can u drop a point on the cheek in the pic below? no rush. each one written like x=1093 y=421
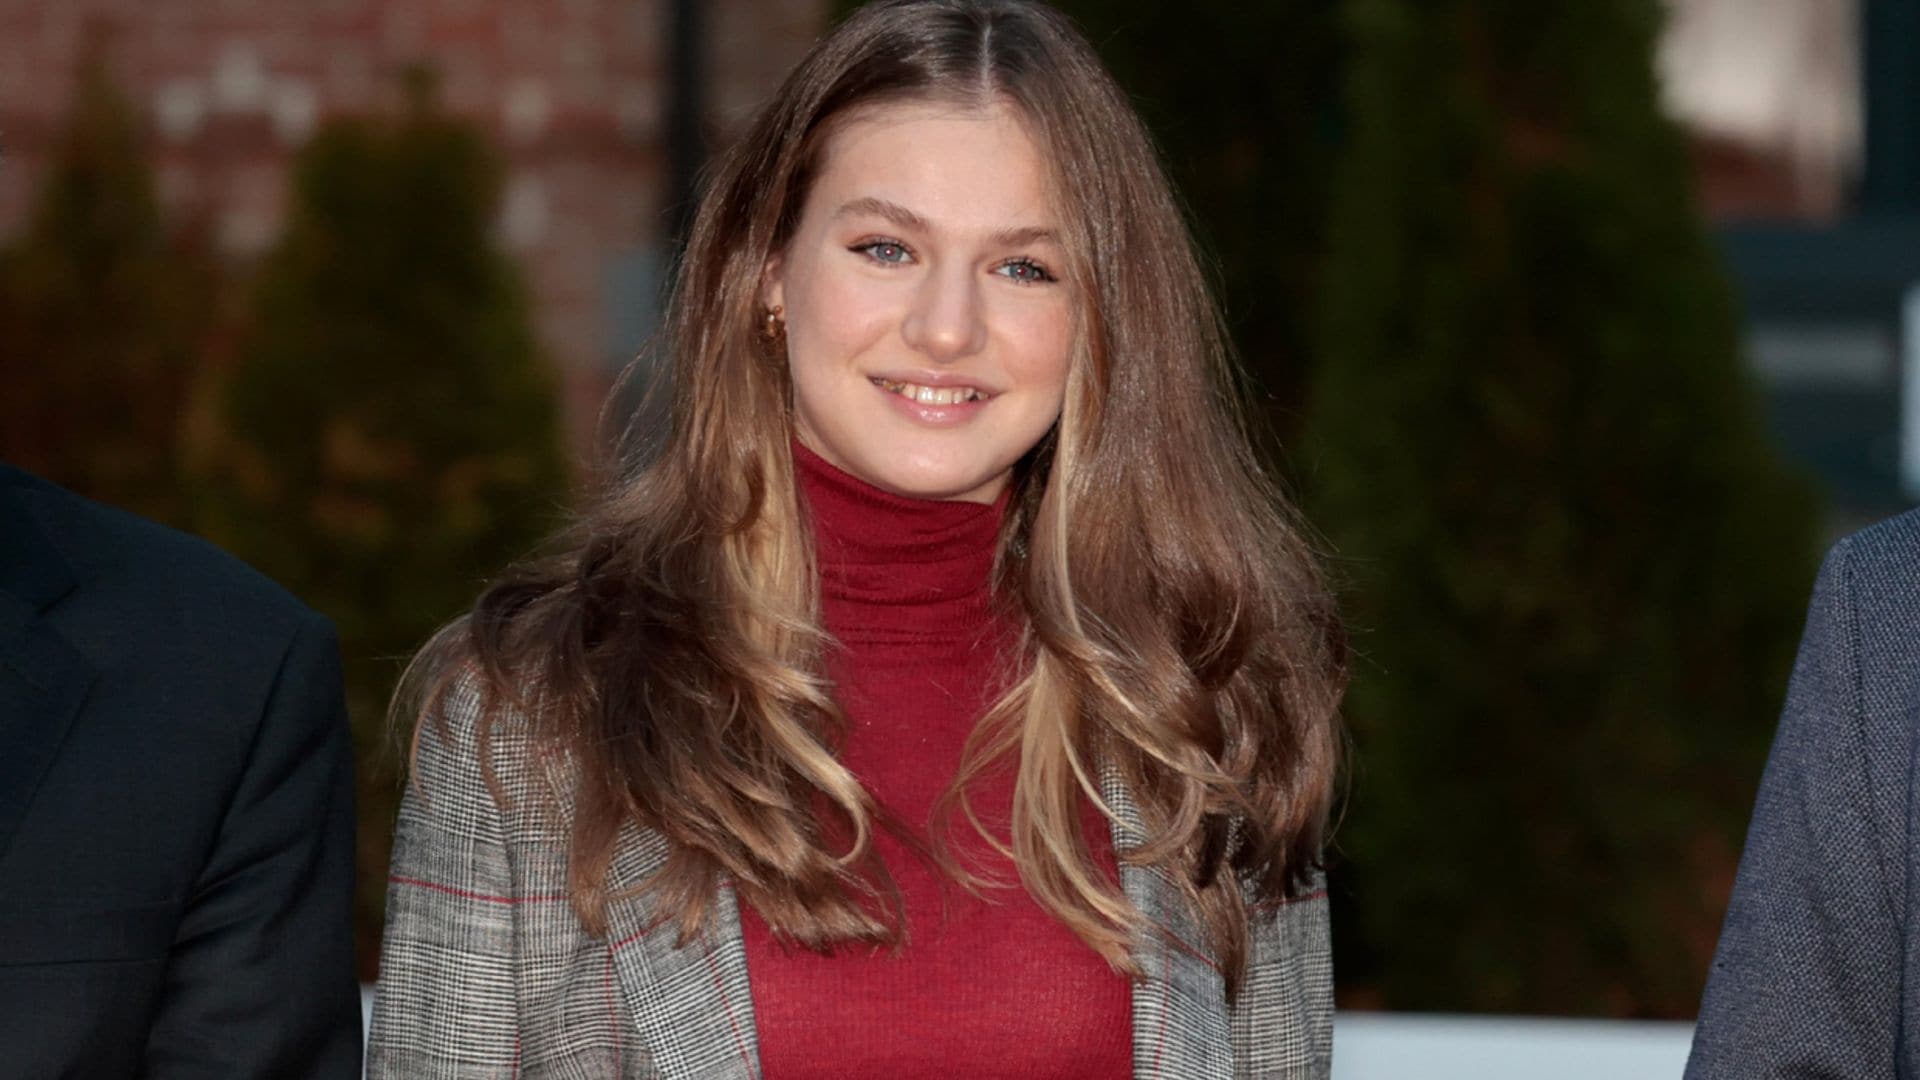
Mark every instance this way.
x=1042 y=342
x=833 y=319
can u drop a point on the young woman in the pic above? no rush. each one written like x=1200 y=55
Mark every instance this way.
x=949 y=695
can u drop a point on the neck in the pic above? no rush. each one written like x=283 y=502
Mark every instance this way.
x=894 y=568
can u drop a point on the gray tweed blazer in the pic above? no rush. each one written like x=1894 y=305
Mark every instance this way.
x=486 y=973
x=1818 y=968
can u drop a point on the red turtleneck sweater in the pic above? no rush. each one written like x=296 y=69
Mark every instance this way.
x=982 y=988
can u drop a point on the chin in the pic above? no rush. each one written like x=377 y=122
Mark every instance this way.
x=937 y=481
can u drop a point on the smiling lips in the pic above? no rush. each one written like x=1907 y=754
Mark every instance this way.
x=932 y=395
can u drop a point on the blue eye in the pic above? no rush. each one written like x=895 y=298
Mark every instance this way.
x=885 y=251
x=1024 y=271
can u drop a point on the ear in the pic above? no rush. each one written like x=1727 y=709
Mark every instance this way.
x=773 y=289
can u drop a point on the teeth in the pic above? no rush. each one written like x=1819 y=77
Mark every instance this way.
x=931 y=395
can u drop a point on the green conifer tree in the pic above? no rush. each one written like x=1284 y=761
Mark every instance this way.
x=394 y=430
x=1576 y=569
x=102 y=314
x=1242 y=101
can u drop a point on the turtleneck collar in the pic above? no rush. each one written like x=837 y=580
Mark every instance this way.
x=896 y=570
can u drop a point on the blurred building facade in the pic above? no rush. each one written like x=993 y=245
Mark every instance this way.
x=1770 y=92
x=579 y=97
x=1803 y=116
x=1804 y=122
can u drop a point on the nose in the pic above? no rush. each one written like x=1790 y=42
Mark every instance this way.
x=946 y=321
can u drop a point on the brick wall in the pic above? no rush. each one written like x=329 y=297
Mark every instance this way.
x=572 y=91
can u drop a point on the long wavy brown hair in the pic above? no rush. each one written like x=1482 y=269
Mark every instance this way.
x=1176 y=628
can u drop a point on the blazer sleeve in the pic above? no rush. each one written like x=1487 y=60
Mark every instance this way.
x=1282 y=1020
x=1806 y=979
x=260 y=979
x=445 y=1003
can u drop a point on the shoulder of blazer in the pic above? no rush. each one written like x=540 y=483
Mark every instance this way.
x=525 y=794
x=1882 y=562
x=1865 y=619
x=100 y=606
x=54 y=542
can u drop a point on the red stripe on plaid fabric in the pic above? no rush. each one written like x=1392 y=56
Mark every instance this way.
x=1177 y=942
x=465 y=895
x=1274 y=905
x=720 y=988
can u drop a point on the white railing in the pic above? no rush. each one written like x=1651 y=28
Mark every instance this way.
x=1418 y=1046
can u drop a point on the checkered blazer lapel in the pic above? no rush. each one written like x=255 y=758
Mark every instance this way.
x=1181 y=1029
x=691 y=1002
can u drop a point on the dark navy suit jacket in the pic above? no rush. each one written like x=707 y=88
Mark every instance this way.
x=1818 y=968
x=176 y=808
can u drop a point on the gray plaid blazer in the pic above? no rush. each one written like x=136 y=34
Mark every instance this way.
x=485 y=971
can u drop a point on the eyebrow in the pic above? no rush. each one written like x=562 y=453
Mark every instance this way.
x=904 y=218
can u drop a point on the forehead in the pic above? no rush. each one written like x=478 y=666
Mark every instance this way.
x=960 y=167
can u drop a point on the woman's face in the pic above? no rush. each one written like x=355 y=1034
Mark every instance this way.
x=928 y=325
